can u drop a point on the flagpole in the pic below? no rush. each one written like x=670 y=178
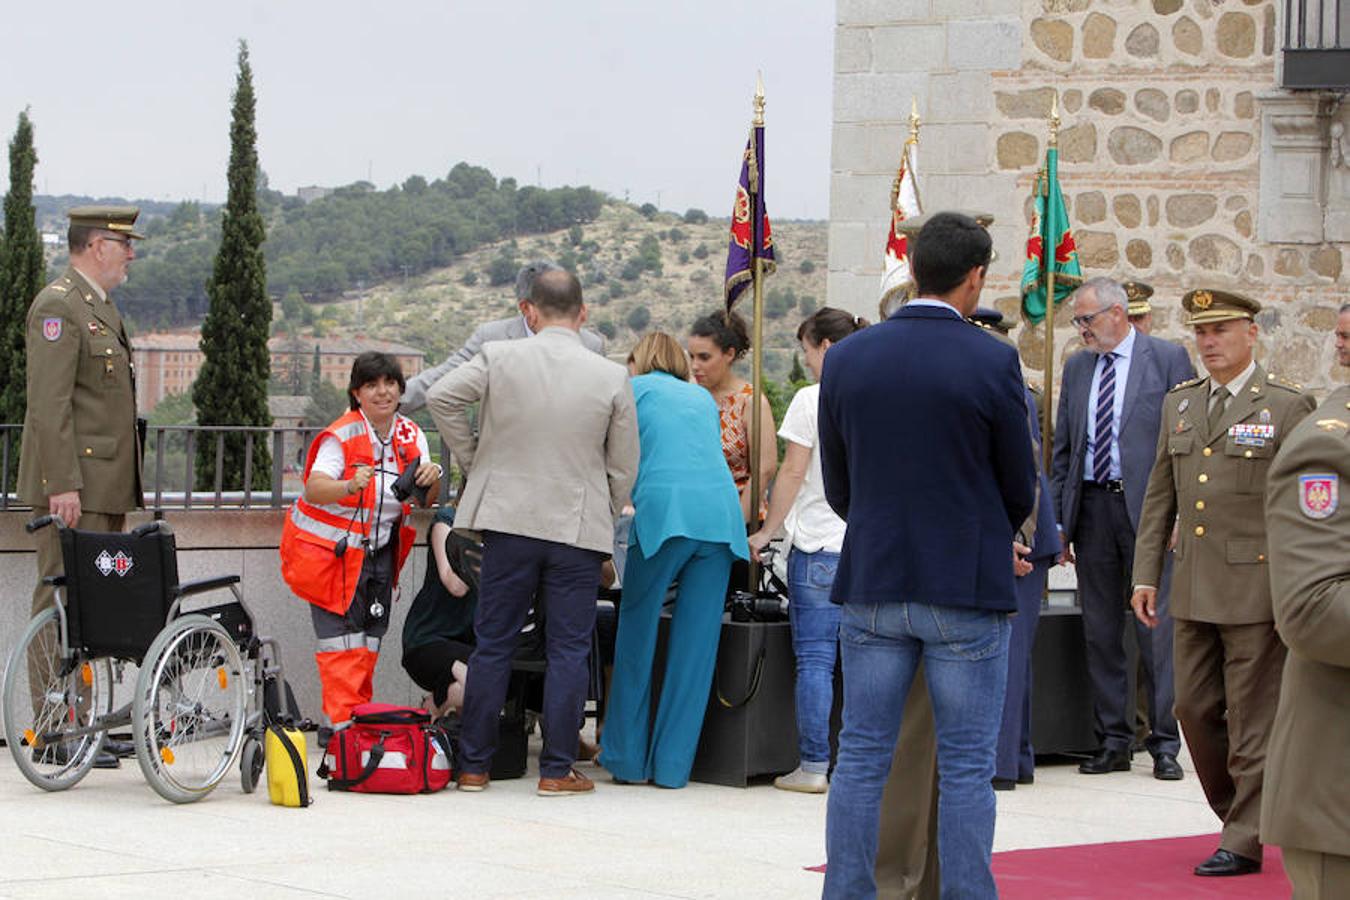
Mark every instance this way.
x=1049 y=250
x=757 y=340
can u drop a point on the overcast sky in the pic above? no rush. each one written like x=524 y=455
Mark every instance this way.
x=635 y=97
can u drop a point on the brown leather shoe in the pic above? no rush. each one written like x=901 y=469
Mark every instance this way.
x=472 y=781
x=573 y=783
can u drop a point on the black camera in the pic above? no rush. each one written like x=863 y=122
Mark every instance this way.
x=406 y=486
x=747 y=606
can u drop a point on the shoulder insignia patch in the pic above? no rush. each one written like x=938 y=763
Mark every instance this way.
x=1191 y=383
x=51 y=328
x=1318 y=495
x=58 y=288
x=1332 y=424
x=1285 y=383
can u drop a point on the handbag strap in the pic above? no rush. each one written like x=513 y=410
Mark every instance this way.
x=373 y=763
x=301 y=777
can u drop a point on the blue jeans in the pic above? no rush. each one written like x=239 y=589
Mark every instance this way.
x=964 y=652
x=815 y=640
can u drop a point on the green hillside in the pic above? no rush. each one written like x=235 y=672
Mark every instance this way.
x=638 y=274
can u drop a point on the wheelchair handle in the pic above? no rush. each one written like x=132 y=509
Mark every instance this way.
x=43 y=522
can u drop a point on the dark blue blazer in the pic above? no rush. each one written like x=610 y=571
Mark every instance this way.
x=927 y=455
x=1157 y=367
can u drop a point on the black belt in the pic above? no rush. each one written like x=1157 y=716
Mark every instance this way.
x=1115 y=486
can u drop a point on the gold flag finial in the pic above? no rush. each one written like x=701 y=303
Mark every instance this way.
x=913 y=119
x=759 y=99
x=1054 y=119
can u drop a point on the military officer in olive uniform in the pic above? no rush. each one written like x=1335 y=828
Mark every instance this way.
x=1218 y=437
x=1139 y=310
x=80 y=453
x=1305 y=807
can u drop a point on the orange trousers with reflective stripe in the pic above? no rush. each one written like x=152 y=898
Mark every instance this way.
x=347 y=677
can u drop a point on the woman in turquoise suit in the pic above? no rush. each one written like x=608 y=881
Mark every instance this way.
x=687 y=529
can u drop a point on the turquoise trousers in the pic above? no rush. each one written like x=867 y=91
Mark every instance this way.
x=635 y=747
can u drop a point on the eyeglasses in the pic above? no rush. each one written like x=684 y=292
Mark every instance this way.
x=116 y=239
x=1081 y=322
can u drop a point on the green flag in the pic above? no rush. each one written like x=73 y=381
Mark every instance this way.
x=1049 y=228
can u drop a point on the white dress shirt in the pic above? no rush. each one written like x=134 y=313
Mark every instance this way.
x=1123 y=351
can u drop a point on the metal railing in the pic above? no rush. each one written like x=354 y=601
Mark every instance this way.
x=1316 y=44
x=169 y=466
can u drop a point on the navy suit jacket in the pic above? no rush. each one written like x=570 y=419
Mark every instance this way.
x=926 y=454
x=1157 y=366
x=1046 y=543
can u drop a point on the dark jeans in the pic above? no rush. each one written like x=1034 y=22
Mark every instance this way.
x=1104 y=548
x=565 y=578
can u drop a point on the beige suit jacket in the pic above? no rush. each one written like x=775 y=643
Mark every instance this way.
x=557 y=449
x=1306 y=800
x=1213 y=485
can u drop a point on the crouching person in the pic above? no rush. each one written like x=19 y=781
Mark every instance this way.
x=346 y=537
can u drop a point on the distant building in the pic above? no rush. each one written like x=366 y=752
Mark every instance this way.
x=52 y=239
x=168 y=362
x=312 y=193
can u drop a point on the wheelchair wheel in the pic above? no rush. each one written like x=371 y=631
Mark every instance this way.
x=250 y=764
x=67 y=696
x=189 y=714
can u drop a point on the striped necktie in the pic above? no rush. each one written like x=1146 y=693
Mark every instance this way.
x=1106 y=408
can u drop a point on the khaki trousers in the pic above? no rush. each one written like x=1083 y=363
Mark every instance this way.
x=907 y=852
x=49 y=563
x=1228 y=685
x=1317 y=876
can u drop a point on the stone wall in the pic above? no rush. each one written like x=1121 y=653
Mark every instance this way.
x=1161 y=152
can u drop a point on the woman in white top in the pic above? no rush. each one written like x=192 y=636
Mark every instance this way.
x=816 y=534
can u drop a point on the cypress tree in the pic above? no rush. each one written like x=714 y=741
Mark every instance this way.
x=231 y=388
x=22 y=271
x=315 y=373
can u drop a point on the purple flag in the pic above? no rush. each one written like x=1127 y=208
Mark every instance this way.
x=750 y=233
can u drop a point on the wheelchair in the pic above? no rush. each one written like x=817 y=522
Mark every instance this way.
x=204 y=680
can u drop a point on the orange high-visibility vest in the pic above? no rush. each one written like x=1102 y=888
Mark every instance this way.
x=309 y=564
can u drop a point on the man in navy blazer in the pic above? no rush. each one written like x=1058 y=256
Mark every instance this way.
x=1106 y=438
x=926 y=454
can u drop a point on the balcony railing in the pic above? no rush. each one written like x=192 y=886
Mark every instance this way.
x=169 y=466
x=1317 y=44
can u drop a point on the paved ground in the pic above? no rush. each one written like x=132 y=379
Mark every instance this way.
x=112 y=836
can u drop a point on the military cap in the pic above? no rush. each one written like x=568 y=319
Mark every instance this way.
x=119 y=219
x=914 y=224
x=986 y=317
x=1137 y=293
x=1208 y=305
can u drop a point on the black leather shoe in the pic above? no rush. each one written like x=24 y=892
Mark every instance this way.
x=1004 y=784
x=1026 y=779
x=1106 y=761
x=1225 y=862
x=1166 y=768
x=106 y=760
x=59 y=755
x=119 y=749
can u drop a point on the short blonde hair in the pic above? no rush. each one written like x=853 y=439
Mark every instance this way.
x=658 y=351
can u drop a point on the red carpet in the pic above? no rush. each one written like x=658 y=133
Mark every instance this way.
x=1128 y=869
x=1157 y=868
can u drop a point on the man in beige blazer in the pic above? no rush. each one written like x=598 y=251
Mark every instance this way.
x=1305 y=807
x=552 y=465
